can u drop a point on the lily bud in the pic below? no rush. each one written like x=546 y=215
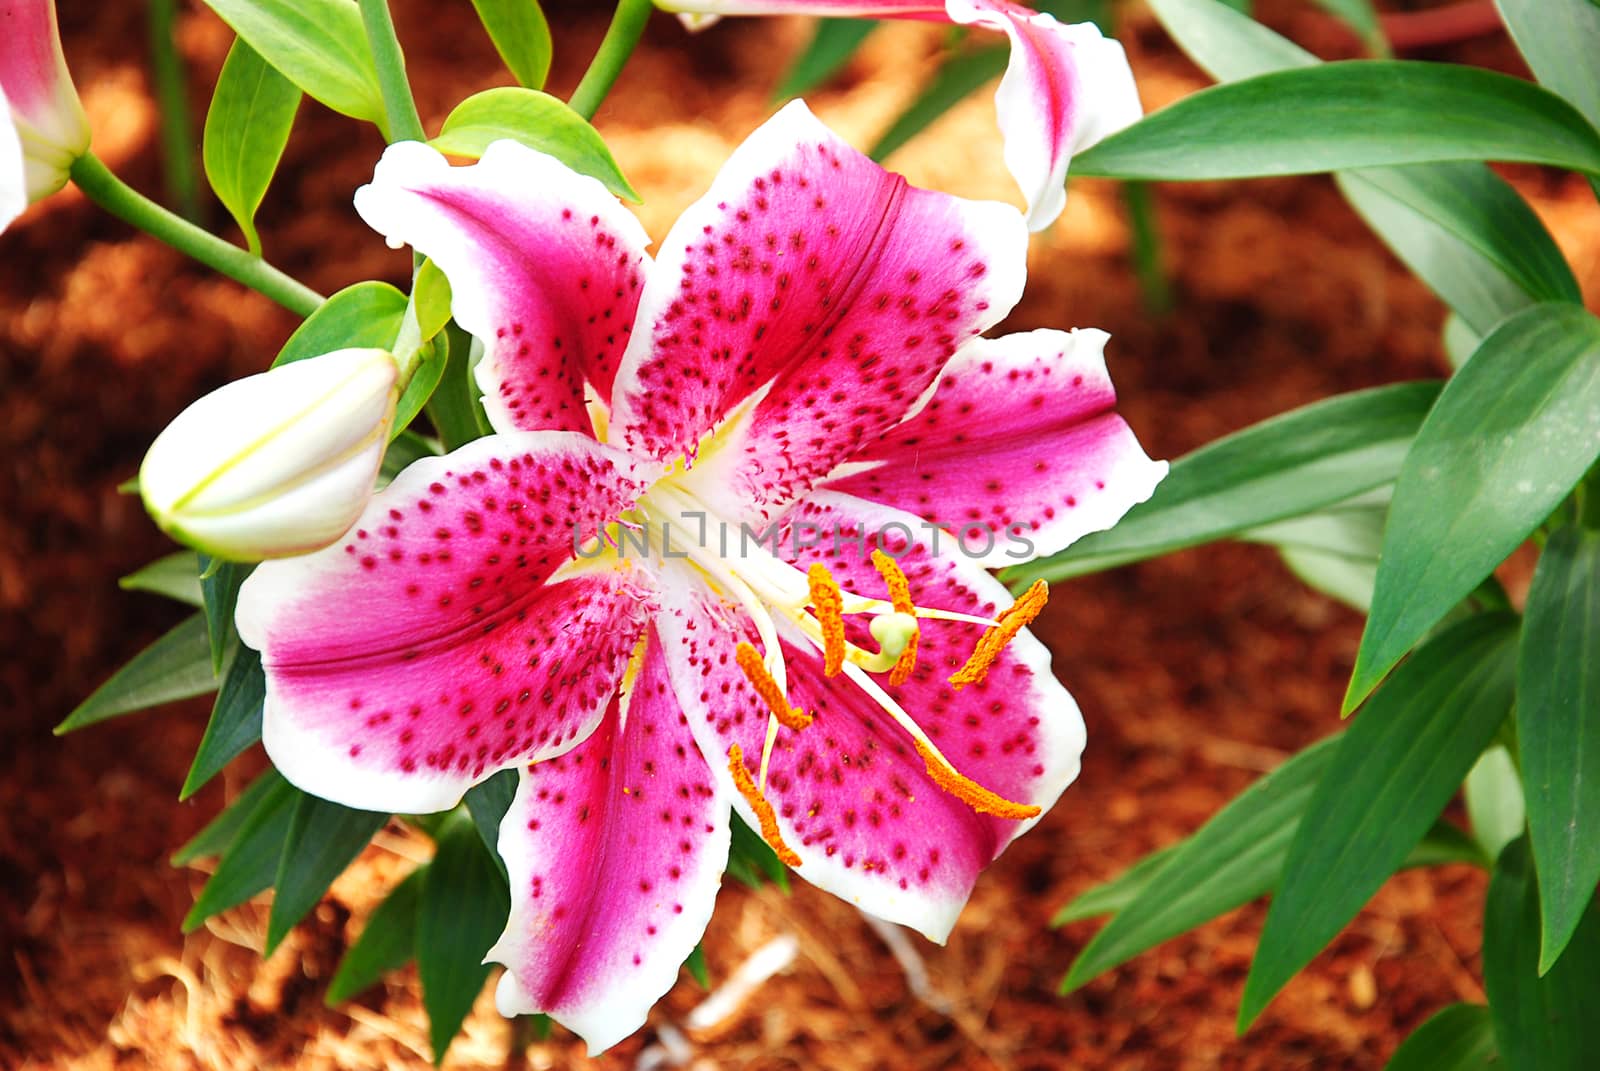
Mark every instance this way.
x=275 y=464
x=42 y=125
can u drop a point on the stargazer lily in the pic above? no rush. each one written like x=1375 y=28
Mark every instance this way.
x=42 y=125
x=1065 y=88
x=711 y=556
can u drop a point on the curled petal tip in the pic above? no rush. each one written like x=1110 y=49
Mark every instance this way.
x=39 y=105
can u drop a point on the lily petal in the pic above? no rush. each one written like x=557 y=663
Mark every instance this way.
x=1065 y=88
x=852 y=797
x=13 y=173
x=820 y=288
x=615 y=852
x=431 y=645
x=1019 y=452
x=37 y=91
x=545 y=266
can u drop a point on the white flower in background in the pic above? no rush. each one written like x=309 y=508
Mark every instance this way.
x=42 y=125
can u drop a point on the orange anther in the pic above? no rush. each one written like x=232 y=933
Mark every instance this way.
x=828 y=603
x=969 y=791
x=900 y=595
x=755 y=670
x=1013 y=621
x=767 y=818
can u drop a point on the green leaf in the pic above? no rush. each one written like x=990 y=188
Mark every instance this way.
x=323 y=839
x=1540 y=1022
x=1512 y=432
x=250 y=861
x=387 y=942
x=521 y=36
x=252 y=112
x=1559 y=39
x=425 y=380
x=488 y=803
x=455 y=408
x=430 y=294
x=1459 y=340
x=1232 y=859
x=1336 y=116
x=696 y=966
x=366 y=315
x=176 y=576
x=463 y=910
x=751 y=860
x=1284 y=467
x=1112 y=896
x=219 y=593
x=957 y=77
x=404 y=449
x=1360 y=17
x=1493 y=793
x=319 y=45
x=832 y=45
x=1457 y=1038
x=1394 y=770
x=1467 y=234
x=1446 y=844
x=177 y=666
x=1558 y=730
x=1334 y=550
x=538 y=121
x=235 y=720
x=220 y=831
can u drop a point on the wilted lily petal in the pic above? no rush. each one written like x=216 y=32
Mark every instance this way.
x=1065 y=88
x=593 y=607
x=42 y=125
x=277 y=463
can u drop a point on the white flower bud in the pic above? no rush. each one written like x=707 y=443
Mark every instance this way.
x=275 y=464
x=42 y=125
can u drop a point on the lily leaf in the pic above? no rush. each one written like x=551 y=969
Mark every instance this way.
x=1559 y=39
x=1336 y=116
x=319 y=45
x=220 y=831
x=177 y=666
x=488 y=803
x=235 y=720
x=463 y=910
x=176 y=576
x=1395 y=769
x=387 y=942
x=323 y=839
x=247 y=128
x=1558 y=731
x=1511 y=434
x=366 y=315
x=1457 y=1038
x=521 y=35
x=538 y=121
x=250 y=860
x=832 y=45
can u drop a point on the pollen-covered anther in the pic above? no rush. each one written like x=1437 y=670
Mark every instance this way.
x=827 y=601
x=900 y=595
x=755 y=670
x=1018 y=617
x=968 y=791
x=765 y=815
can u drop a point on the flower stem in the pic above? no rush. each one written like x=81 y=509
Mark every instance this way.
x=627 y=26
x=404 y=122
x=115 y=196
x=177 y=129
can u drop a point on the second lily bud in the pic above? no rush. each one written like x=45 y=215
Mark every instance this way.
x=42 y=126
x=275 y=464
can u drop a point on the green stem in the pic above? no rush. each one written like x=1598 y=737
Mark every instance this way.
x=627 y=26
x=177 y=129
x=115 y=196
x=404 y=122
x=1148 y=263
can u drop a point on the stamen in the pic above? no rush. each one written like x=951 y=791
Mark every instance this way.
x=758 y=803
x=991 y=643
x=900 y=595
x=969 y=791
x=828 y=602
x=755 y=670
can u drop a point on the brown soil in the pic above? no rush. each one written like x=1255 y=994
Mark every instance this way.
x=1195 y=673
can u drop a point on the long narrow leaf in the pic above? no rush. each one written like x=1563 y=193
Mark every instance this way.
x=323 y=839
x=177 y=666
x=235 y=720
x=250 y=860
x=387 y=943
x=247 y=128
x=463 y=909
x=1395 y=769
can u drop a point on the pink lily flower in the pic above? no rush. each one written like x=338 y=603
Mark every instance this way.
x=654 y=591
x=42 y=125
x=1065 y=88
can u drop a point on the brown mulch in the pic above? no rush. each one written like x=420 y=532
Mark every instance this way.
x=1195 y=673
